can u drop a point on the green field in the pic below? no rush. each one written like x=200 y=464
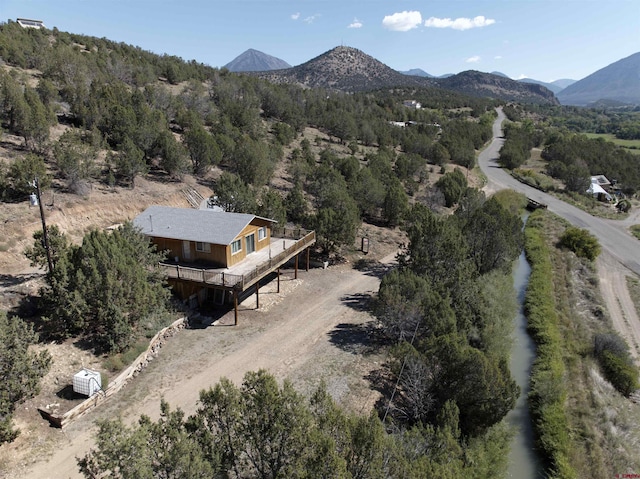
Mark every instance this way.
x=632 y=145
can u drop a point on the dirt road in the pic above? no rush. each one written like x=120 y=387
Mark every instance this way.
x=307 y=333
x=613 y=285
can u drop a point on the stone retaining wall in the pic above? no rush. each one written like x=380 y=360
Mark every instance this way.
x=120 y=381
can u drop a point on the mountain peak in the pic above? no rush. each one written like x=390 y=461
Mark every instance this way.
x=255 y=61
x=344 y=68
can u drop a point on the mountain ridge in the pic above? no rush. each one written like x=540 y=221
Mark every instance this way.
x=617 y=82
x=349 y=69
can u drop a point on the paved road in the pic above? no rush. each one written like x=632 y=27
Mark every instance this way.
x=619 y=243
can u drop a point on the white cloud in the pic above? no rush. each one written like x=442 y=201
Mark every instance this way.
x=521 y=76
x=310 y=19
x=459 y=23
x=295 y=16
x=402 y=21
x=498 y=57
x=473 y=59
x=355 y=24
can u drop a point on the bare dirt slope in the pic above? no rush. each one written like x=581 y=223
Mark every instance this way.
x=309 y=332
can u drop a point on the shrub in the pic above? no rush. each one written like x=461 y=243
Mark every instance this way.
x=612 y=353
x=581 y=242
x=620 y=373
x=624 y=206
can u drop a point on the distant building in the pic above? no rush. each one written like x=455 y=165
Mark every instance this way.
x=597 y=188
x=601 y=180
x=412 y=104
x=27 y=23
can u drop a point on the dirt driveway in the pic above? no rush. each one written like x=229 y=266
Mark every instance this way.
x=315 y=329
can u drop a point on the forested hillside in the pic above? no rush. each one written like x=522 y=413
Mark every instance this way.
x=158 y=113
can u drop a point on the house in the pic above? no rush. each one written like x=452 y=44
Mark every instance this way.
x=601 y=180
x=597 y=188
x=214 y=255
x=28 y=23
x=206 y=237
x=412 y=104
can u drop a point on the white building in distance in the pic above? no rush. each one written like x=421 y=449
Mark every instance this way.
x=28 y=23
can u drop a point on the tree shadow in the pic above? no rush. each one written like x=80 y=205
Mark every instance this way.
x=372 y=267
x=12 y=280
x=158 y=175
x=382 y=381
x=358 y=301
x=357 y=338
x=86 y=344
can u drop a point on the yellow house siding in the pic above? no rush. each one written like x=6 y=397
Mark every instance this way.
x=251 y=228
x=172 y=247
x=218 y=255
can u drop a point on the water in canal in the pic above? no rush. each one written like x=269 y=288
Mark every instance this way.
x=523 y=460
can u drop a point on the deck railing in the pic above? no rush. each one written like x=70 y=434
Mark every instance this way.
x=201 y=275
x=212 y=277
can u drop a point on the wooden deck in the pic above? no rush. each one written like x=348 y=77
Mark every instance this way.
x=287 y=244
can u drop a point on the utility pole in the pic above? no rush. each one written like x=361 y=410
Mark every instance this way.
x=45 y=234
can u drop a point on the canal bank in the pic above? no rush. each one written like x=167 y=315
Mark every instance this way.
x=523 y=459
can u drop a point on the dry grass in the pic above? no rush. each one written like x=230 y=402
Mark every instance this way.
x=604 y=425
x=634 y=290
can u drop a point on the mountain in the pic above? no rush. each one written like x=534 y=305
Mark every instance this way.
x=255 y=61
x=349 y=69
x=563 y=82
x=619 y=82
x=500 y=74
x=417 y=72
x=481 y=84
x=554 y=88
x=346 y=69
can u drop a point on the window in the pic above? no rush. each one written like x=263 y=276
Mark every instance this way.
x=236 y=246
x=262 y=233
x=203 y=247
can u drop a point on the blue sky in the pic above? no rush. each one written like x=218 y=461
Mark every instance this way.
x=542 y=39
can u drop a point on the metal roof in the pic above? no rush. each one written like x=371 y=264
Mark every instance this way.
x=206 y=226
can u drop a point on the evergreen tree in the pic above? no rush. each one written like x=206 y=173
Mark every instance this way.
x=103 y=289
x=129 y=161
x=20 y=370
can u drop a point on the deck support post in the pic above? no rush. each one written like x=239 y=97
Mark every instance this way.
x=307 y=260
x=257 y=295
x=235 y=307
x=295 y=274
x=278 y=280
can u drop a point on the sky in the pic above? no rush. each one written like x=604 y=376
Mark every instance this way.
x=545 y=40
